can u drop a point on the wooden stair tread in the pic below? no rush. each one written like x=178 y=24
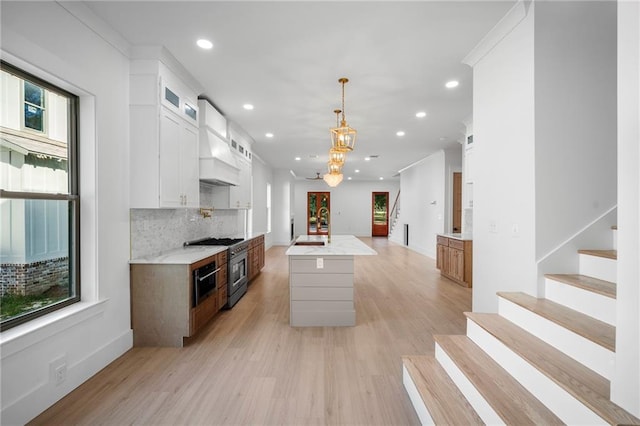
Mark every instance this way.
x=588 y=327
x=508 y=398
x=595 y=285
x=446 y=404
x=584 y=384
x=608 y=254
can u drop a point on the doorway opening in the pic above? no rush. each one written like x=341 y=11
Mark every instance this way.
x=315 y=201
x=457 y=203
x=379 y=214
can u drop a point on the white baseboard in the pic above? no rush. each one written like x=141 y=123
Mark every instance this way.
x=46 y=394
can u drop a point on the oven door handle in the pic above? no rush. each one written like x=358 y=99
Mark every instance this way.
x=209 y=274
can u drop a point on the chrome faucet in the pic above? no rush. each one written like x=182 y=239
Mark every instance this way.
x=326 y=209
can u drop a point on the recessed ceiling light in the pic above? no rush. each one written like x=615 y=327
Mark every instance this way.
x=400 y=133
x=247 y=107
x=298 y=158
x=269 y=135
x=381 y=178
x=349 y=178
x=357 y=170
x=204 y=43
x=421 y=114
x=451 y=84
x=367 y=158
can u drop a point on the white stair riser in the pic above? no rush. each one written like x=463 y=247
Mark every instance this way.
x=593 y=304
x=598 y=267
x=559 y=401
x=416 y=399
x=477 y=401
x=591 y=355
x=615 y=239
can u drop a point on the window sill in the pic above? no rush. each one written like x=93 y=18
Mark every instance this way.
x=22 y=336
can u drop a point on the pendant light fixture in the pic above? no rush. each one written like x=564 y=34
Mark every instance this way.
x=343 y=137
x=337 y=156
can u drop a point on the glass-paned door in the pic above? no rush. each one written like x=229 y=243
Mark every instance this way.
x=380 y=214
x=317 y=221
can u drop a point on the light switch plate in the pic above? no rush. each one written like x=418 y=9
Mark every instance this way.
x=319 y=263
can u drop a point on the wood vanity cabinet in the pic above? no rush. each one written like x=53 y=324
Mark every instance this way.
x=162 y=311
x=256 y=256
x=454 y=259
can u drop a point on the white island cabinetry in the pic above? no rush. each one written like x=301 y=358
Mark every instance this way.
x=321 y=280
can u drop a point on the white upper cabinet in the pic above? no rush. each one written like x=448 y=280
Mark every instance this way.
x=164 y=138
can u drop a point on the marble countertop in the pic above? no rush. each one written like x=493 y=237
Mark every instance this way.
x=462 y=237
x=340 y=245
x=181 y=255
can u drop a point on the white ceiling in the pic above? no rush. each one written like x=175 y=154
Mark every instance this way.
x=286 y=57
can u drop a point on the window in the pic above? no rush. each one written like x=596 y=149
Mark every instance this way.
x=39 y=198
x=33 y=106
x=268 y=207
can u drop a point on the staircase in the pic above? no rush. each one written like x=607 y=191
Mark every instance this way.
x=394 y=216
x=538 y=361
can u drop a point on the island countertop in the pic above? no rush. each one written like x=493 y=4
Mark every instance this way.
x=341 y=245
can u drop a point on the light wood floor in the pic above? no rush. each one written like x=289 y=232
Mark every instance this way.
x=249 y=367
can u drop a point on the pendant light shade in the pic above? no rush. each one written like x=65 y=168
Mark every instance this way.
x=343 y=137
x=332 y=179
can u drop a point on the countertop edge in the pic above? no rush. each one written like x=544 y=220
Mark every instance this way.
x=457 y=237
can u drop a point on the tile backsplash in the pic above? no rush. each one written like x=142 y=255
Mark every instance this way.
x=157 y=230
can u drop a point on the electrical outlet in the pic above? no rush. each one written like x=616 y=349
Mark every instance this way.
x=319 y=263
x=61 y=374
x=58 y=370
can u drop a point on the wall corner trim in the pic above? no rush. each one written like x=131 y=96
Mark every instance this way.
x=508 y=22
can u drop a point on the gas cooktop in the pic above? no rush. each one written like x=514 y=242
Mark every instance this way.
x=214 y=242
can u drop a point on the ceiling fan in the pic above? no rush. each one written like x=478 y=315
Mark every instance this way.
x=318 y=177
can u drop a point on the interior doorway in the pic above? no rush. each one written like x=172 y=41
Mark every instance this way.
x=379 y=214
x=457 y=202
x=315 y=201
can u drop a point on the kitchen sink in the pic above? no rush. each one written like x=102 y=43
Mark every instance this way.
x=309 y=243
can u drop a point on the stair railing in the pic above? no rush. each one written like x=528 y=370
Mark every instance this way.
x=395 y=208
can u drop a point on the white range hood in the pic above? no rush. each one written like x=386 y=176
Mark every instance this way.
x=218 y=165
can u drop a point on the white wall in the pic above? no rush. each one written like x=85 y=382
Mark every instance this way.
x=503 y=188
x=282 y=202
x=625 y=385
x=262 y=174
x=350 y=204
x=91 y=334
x=423 y=202
x=575 y=117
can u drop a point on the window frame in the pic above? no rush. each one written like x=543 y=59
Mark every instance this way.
x=23 y=121
x=73 y=195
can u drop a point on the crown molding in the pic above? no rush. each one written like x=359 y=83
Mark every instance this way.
x=508 y=22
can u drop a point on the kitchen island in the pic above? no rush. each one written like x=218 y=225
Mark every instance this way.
x=321 y=276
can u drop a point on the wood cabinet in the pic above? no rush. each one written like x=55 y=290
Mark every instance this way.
x=162 y=311
x=454 y=259
x=164 y=138
x=256 y=256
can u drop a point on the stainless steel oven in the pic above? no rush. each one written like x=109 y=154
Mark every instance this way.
x=238 y=272
x=204 y=282
x=237 y=265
